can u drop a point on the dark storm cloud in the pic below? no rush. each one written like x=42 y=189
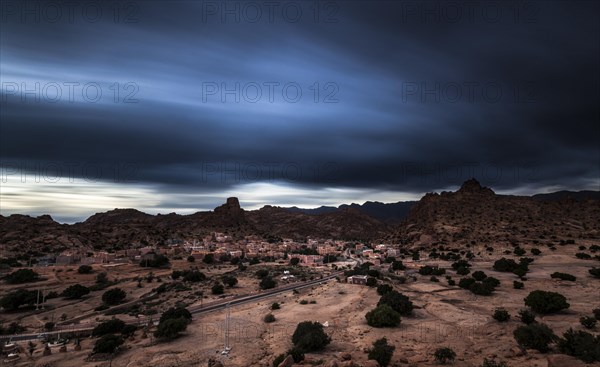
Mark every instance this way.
x=420 y=98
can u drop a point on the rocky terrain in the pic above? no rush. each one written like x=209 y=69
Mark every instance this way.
x=471 y=214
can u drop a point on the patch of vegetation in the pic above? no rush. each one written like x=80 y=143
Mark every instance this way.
x=443 y=355
x=275 y=306
x=493 y=363
x=111 y=326
x=398 y=302
x=581 y=345
x=383 y=316
x=563 y=276
x=479 y=275
x=269 y=318
x=382 y=352
x=156 y=261
x=75 y=291
x=501 y=315
x=546 y=302
x=595 y=272
x=267 y=283
x=588 y=322
x=310 y=337
x=527 y=317
x=21 y=276
x=217 y=288
x=108 y=343
x=15 y=299
x=85 y=269
x=534 y=336
x=518 y=285
x=114 y=296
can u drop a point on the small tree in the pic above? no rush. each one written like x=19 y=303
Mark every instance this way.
x=209 y=259
x=479 y=275
x=493 y=363
x=112 y=326
x=443 y=355
x=230 y=280
x=114 y=296
x=518 y=285
x=501 y=315
x=563 y=276
x=85 y=269
x=108 y=343
x=275 y=306
x=527 y=317
x=596 y=312
x=371 y=282
x=546 y=302
x=595 y=272
x=75 y=291
x=398 y=302
x=294 y=261
x=382 y=352
x=191 y=259
x=269 y=318
x=176 y=313
x=21 y=276
x=310 y=337
x=383 y=316
x=580 y=344
x=588 y=322
x=267 y=283
x=534 y=336
x=49 y=326
x=277 y=361
x=217 y=288
x=170 y=328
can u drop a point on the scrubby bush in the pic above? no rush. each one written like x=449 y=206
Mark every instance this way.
x=463 y=271
x=75 y=291
x=372 y=282
x=588 y=322
x=580 y=344
x=501 y=315
x=275 y=306
x=176 y=313
x=21 y=276
x=269 y=318
x=563 y=276
x=596 y=312
x=382 y=352
x=108 y=343
x=535 y=251
x=114 y=296
x=398 y=302
x=443 y=355
x=546 y=302
x=383 y=316
x=310 y=337
x=466 y=283
x=527 y=317
x=518 y=285
x=479 y=275
x=85 y=269
x=384 y=288
x=217 y=288
x=595 y=272
x=505 y=265
x=491 y=282
x=267 y=283
x=108 y=327
x=277 y=361
x=493 y=363
x=261 y=273
x=534 y=336
x=583 y=255
x=170 y=328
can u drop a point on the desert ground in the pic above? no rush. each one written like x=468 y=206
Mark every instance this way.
x=444 y=316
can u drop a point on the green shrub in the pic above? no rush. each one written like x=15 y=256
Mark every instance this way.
x=384 y=288
x=596 y=312
x=493 y=363
x=479 y=275
x=113 y=296
x=588 y=322
x=108 y=327
x=217 y=288
x=108 y=343
x=534 y=336
x=383 y=316
x=518 y=285
x=277 y=361
x=267 y=283
x=21 y=276
x=595 y=272
x=580 y=344
x=527 y=317
x=535 y=251
x=382 y=352
x=443 y=355
x=563 y=276
x=275 y=306
x=466 y=283
x=546 y=302
x=501 y=315
x=170 y=328
x=398 y=302
x=85 y=269
x=310 y=337
x=269 y=318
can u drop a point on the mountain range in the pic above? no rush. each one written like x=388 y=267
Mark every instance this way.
x=472 y=213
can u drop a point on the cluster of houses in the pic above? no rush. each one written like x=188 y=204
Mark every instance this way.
x=220 y=246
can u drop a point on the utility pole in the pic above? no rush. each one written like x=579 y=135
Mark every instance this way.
x=227 y=348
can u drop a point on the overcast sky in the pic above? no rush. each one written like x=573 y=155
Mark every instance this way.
x=174 y=106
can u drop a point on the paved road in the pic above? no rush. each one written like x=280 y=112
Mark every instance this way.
x=195 y=310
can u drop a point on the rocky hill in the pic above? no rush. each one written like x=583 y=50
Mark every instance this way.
x=475 y=214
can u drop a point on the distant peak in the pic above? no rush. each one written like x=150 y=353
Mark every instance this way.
x=473 y=186
x=233 y=202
